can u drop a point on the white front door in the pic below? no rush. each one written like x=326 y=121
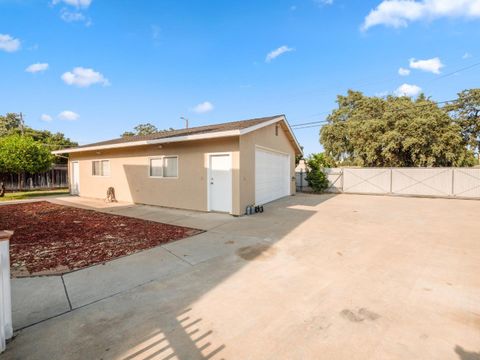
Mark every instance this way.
x=75 y=181
x=220 y=183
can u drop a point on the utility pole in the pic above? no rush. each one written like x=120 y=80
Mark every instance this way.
x=22 y=124
x=186 y=121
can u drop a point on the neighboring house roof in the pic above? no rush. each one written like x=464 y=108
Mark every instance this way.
x=234 y=128
x=302 y=166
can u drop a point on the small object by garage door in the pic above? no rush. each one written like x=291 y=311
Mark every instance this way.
x=250 y=210
x=111 y=195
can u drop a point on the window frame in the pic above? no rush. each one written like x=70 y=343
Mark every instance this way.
x=101 y=168
x=162 y=157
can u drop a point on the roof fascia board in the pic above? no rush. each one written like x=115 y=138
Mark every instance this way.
x=151 y=142
x=214 y=135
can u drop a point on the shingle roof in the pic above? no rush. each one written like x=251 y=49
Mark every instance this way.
x=235 y=125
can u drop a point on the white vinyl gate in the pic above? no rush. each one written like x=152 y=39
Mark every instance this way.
x=6 y=329
x=436 y=182
x=272 y=175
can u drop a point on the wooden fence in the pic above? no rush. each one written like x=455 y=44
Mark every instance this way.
x=55 y=178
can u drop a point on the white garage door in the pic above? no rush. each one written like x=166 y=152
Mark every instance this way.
x=272 y=176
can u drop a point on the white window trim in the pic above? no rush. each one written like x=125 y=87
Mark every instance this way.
x=149 y=167
x=109 y=168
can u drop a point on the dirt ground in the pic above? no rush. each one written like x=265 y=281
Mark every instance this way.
x=52 y=239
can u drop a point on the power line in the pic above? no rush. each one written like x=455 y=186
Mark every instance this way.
x=311 y=124
x=366 y=82
x=456 y=72
x=308 y=123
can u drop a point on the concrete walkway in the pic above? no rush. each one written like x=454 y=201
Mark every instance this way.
x=36 y=299
x=334 y=277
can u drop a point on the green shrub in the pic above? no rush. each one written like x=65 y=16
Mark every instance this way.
x=317 y=180
x=316 y=177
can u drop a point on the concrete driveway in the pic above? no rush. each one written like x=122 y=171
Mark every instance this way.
x=314 y=277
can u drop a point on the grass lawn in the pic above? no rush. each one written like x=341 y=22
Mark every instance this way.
x=21 y=195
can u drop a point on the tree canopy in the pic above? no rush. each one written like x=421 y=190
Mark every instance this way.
x=466 y=112
x=141 y=129
x=11 y=124
x=393 y=131
x=21 y=154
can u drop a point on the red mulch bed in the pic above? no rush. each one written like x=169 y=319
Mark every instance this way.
x=53 y=239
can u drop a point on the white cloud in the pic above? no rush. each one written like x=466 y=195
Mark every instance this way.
x=76 y=3
x=467 y=55
x=69 y=16
x=399 y=13
x=430 y=65
x=277 y=52
x=68 y=115
x=403 y=72
x=8 y=43
x=408 y=90
x=46 y=117
x=323 y=2
x=76 y=15
x=203 y=107
x=38 y=67
x=83 y=77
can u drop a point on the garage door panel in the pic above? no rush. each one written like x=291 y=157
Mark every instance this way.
x=272 y=176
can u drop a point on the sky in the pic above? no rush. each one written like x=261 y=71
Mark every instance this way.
x=93 y=69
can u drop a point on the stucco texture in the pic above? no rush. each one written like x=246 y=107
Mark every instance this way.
x=129 y=170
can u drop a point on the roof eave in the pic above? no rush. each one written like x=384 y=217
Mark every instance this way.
x=150 y=142
x=206 y=136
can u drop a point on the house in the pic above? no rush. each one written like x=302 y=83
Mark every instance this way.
x=302 y=166
x=223 y=167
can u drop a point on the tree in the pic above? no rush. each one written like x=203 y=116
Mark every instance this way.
x=53 y=141
x=316 y=177
x=141 y=129
x=22 y=154
x=466 y=112
x=10 y=123
x=322 y=159
x=395 y=131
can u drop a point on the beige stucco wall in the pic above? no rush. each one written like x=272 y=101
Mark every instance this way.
x=129 y=171
x=129 y=174
x=264 y=137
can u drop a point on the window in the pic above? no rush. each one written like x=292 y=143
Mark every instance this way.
x=165 y=166
x=101 y=168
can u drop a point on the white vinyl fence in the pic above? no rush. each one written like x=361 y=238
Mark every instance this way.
x=6 y=329
x=334 y=176
x=436 y=182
